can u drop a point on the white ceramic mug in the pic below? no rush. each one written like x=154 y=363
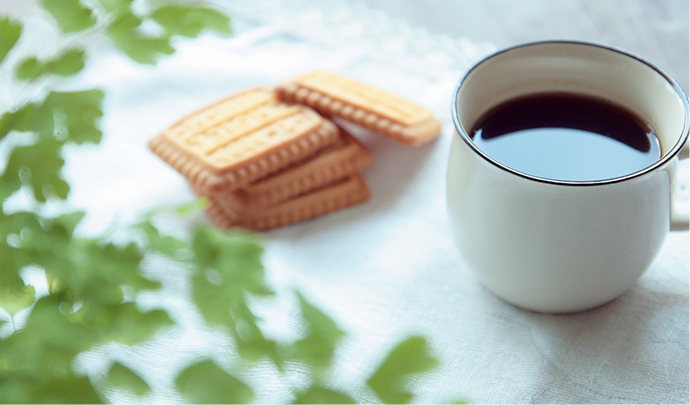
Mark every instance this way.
x=563 y=246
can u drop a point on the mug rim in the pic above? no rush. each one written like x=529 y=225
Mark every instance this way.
x=663 y=160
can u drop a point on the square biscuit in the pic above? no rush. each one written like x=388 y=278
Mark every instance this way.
x=339 y=160
x=380 y=112
x=344 y=193
x=240 y=139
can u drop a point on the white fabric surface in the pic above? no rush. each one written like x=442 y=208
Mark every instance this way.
x=384 y=269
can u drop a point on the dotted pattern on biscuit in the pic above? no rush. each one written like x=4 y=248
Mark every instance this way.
x=289 y=130
x=328 y=166
x=222 y=111
x=213 y=138
x=257 y=166
x=352 y=92
x=417 y=134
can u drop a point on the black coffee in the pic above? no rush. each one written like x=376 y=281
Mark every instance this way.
x=567 y=137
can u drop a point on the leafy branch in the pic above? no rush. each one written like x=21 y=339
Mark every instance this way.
x=93 y=283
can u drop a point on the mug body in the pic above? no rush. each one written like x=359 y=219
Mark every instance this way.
x=562 y=246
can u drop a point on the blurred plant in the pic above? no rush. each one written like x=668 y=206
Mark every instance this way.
x=93 y=282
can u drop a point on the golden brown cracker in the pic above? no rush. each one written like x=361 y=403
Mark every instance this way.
x=241 y=139
x=347 y=192
x=382 y=113
x=344 y=158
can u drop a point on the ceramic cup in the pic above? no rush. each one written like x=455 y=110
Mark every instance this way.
x=563 y=246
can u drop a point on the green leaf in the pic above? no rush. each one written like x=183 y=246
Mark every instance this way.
x=92 y=271
x=123 y=31
x=190 y=21
x=48 y=390
x=67 y=64
x=125 y=324
x=228 y=267
x=14 y=302
x=9 y=269
x=236 y=256
x=29 y=69
x=193 y=207
x=252 y=345
x=70 y=15
x=206 y=383
x=9 y=34
x=166 y=245
x=73 y=116
x=323 y=335
x=118 y=264
x=12 y=258
x=408 y=358
x=21 y=120
x=78 y=112
x=71 y=390
x=117 y=7
x=42 y=164
x=122 y=377
x=10 y=180
x=320 y=395
x=69 y=221
x=50 y=340
x=43 y=241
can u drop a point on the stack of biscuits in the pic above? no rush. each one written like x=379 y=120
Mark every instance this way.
x=267 y=158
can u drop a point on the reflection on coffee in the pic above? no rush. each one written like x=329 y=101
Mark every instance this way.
x=567 y=137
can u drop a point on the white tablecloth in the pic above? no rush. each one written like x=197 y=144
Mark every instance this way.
x=387 y=268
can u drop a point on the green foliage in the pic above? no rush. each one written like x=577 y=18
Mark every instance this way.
x=141 y=48
x=69 y=389
x=37 y=166
x=19 y=120
x=318 y=347
x=67 y=64
x=75 y=113
x=93 y=283
x=220 y=265
x=9 y=34
x=70 y=15
x=125 y=324
x=122 y=377
x=206 y=383
x=228 y=267
x=14 y=302
x=190 y=21
x=61 y=117
x=167 y=245
x=195 y=206
x=320 y=395
x=46 y=346
x=409 y=357
x=9 y=276
x=116 y=7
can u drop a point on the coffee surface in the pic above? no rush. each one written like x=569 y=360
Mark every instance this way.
x=567 y=137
